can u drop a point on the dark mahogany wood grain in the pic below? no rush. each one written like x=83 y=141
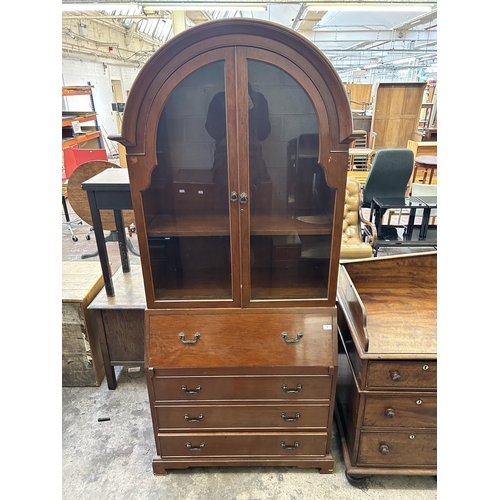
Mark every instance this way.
x=241 y=340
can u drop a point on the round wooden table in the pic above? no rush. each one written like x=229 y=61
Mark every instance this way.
x=427 y=163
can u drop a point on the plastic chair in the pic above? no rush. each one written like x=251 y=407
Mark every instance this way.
x=388 y=177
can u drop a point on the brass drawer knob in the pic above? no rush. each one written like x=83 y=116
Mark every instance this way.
x=395 y=376
x=384 y=449
x=390 y=413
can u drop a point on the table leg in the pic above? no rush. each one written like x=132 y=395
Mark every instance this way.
x=375 y=209
x=108 y=368
x=101 y=244
x=411 y=222
x=425 y=224
x=122 y=240
x=431 y=175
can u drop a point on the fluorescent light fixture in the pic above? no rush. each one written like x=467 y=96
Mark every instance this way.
x=402 y=61
x=365 y=6
x=204 y=6
x=80 y=7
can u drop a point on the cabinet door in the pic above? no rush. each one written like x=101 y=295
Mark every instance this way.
x=187 y=213
x=290 y=205
x=238 y=209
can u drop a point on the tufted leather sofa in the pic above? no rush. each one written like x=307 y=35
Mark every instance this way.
x=353 y=246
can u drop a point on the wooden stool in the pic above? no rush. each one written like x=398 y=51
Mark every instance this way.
x=427 y=163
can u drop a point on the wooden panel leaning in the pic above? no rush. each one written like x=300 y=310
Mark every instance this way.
x=82 y=363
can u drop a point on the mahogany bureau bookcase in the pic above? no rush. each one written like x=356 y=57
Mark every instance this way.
x=387 y=384
x=240 y=327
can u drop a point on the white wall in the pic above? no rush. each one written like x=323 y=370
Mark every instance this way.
x=80 y=72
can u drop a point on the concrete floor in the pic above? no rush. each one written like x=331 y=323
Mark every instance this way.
x=112 y=459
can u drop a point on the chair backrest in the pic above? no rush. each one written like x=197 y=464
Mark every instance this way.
x=389 y=175
x=352 y=246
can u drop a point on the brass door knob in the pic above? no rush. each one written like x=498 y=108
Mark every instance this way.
x=390 y=413
x=384 y=449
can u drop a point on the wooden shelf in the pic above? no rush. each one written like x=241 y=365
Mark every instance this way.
x=218 y=225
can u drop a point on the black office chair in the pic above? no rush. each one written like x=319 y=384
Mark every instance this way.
x=389 y=176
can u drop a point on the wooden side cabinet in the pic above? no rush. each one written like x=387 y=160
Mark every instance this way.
x=240 y=323
x=82 y=362
x=120 y=322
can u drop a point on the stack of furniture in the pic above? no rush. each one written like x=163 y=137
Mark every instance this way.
x=82 y=363
x=240 y=324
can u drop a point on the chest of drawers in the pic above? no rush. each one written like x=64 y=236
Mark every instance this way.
x=242 y=388
x=387 y=386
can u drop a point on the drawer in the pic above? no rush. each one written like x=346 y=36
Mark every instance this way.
x=242 y=444
x=411 y=410
x=402 y=374
x=283 y=387
x=402 y=448
x=195 y=417
x=234 y=339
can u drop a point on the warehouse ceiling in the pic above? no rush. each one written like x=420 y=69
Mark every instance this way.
x=365 y=41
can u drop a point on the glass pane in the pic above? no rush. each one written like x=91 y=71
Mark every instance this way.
x=291 y=204
x=187 y=219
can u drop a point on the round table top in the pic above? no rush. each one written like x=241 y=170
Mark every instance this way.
x=78 y=198
x=427 y=160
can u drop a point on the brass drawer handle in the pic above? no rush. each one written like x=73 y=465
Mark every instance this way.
x=290 y=419
x=196 y=337
x=395 y=376
x=200 y=416
x=196 y=391
x=384 y=449
x=285 y=447
x=193 y=448
x=292 y=341
x=291 y=391
x=390 y=413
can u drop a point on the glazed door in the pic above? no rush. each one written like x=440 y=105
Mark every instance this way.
x=238 y=211
x=286 y=215
x=192 y=238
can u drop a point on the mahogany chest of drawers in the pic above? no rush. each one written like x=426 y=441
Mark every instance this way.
x=387 y=386
x=242 y=388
